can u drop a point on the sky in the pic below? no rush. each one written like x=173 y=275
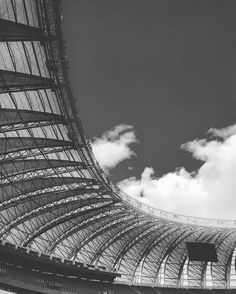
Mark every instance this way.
x=154 y=82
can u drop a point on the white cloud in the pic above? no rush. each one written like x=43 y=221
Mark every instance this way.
x=225 y=132
x=207 y=192
x=114 y=146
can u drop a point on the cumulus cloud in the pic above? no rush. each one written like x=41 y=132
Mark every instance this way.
x=114 y=146
x=208 y=192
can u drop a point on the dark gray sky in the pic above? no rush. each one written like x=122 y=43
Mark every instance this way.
x=167 y=67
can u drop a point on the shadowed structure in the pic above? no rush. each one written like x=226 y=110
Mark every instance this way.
x=204 y=252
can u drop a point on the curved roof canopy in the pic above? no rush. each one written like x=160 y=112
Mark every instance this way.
x=55 y=198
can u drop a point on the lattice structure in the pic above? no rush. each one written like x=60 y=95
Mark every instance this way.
x=54 y=197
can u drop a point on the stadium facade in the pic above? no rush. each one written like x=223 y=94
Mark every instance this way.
x=61 y=217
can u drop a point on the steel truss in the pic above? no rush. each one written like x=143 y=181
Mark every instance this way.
x=55 y=198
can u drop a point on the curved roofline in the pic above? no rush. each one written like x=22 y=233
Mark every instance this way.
x=92 y=221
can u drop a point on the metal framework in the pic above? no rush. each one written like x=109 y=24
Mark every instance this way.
x=55 y=198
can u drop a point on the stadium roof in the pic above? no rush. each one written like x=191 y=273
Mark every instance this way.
x=54 y=196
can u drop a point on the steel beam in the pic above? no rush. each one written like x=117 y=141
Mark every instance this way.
x=104 y=214
x=11 y=31
x=9 y=117
x=61 y=207
x=44 y=194
x=16 y=144
x=63 y=218
x=11 y=190
x=11 y=81
x=24 y=166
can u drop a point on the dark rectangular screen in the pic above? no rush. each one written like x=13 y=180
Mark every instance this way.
x=198 y=251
